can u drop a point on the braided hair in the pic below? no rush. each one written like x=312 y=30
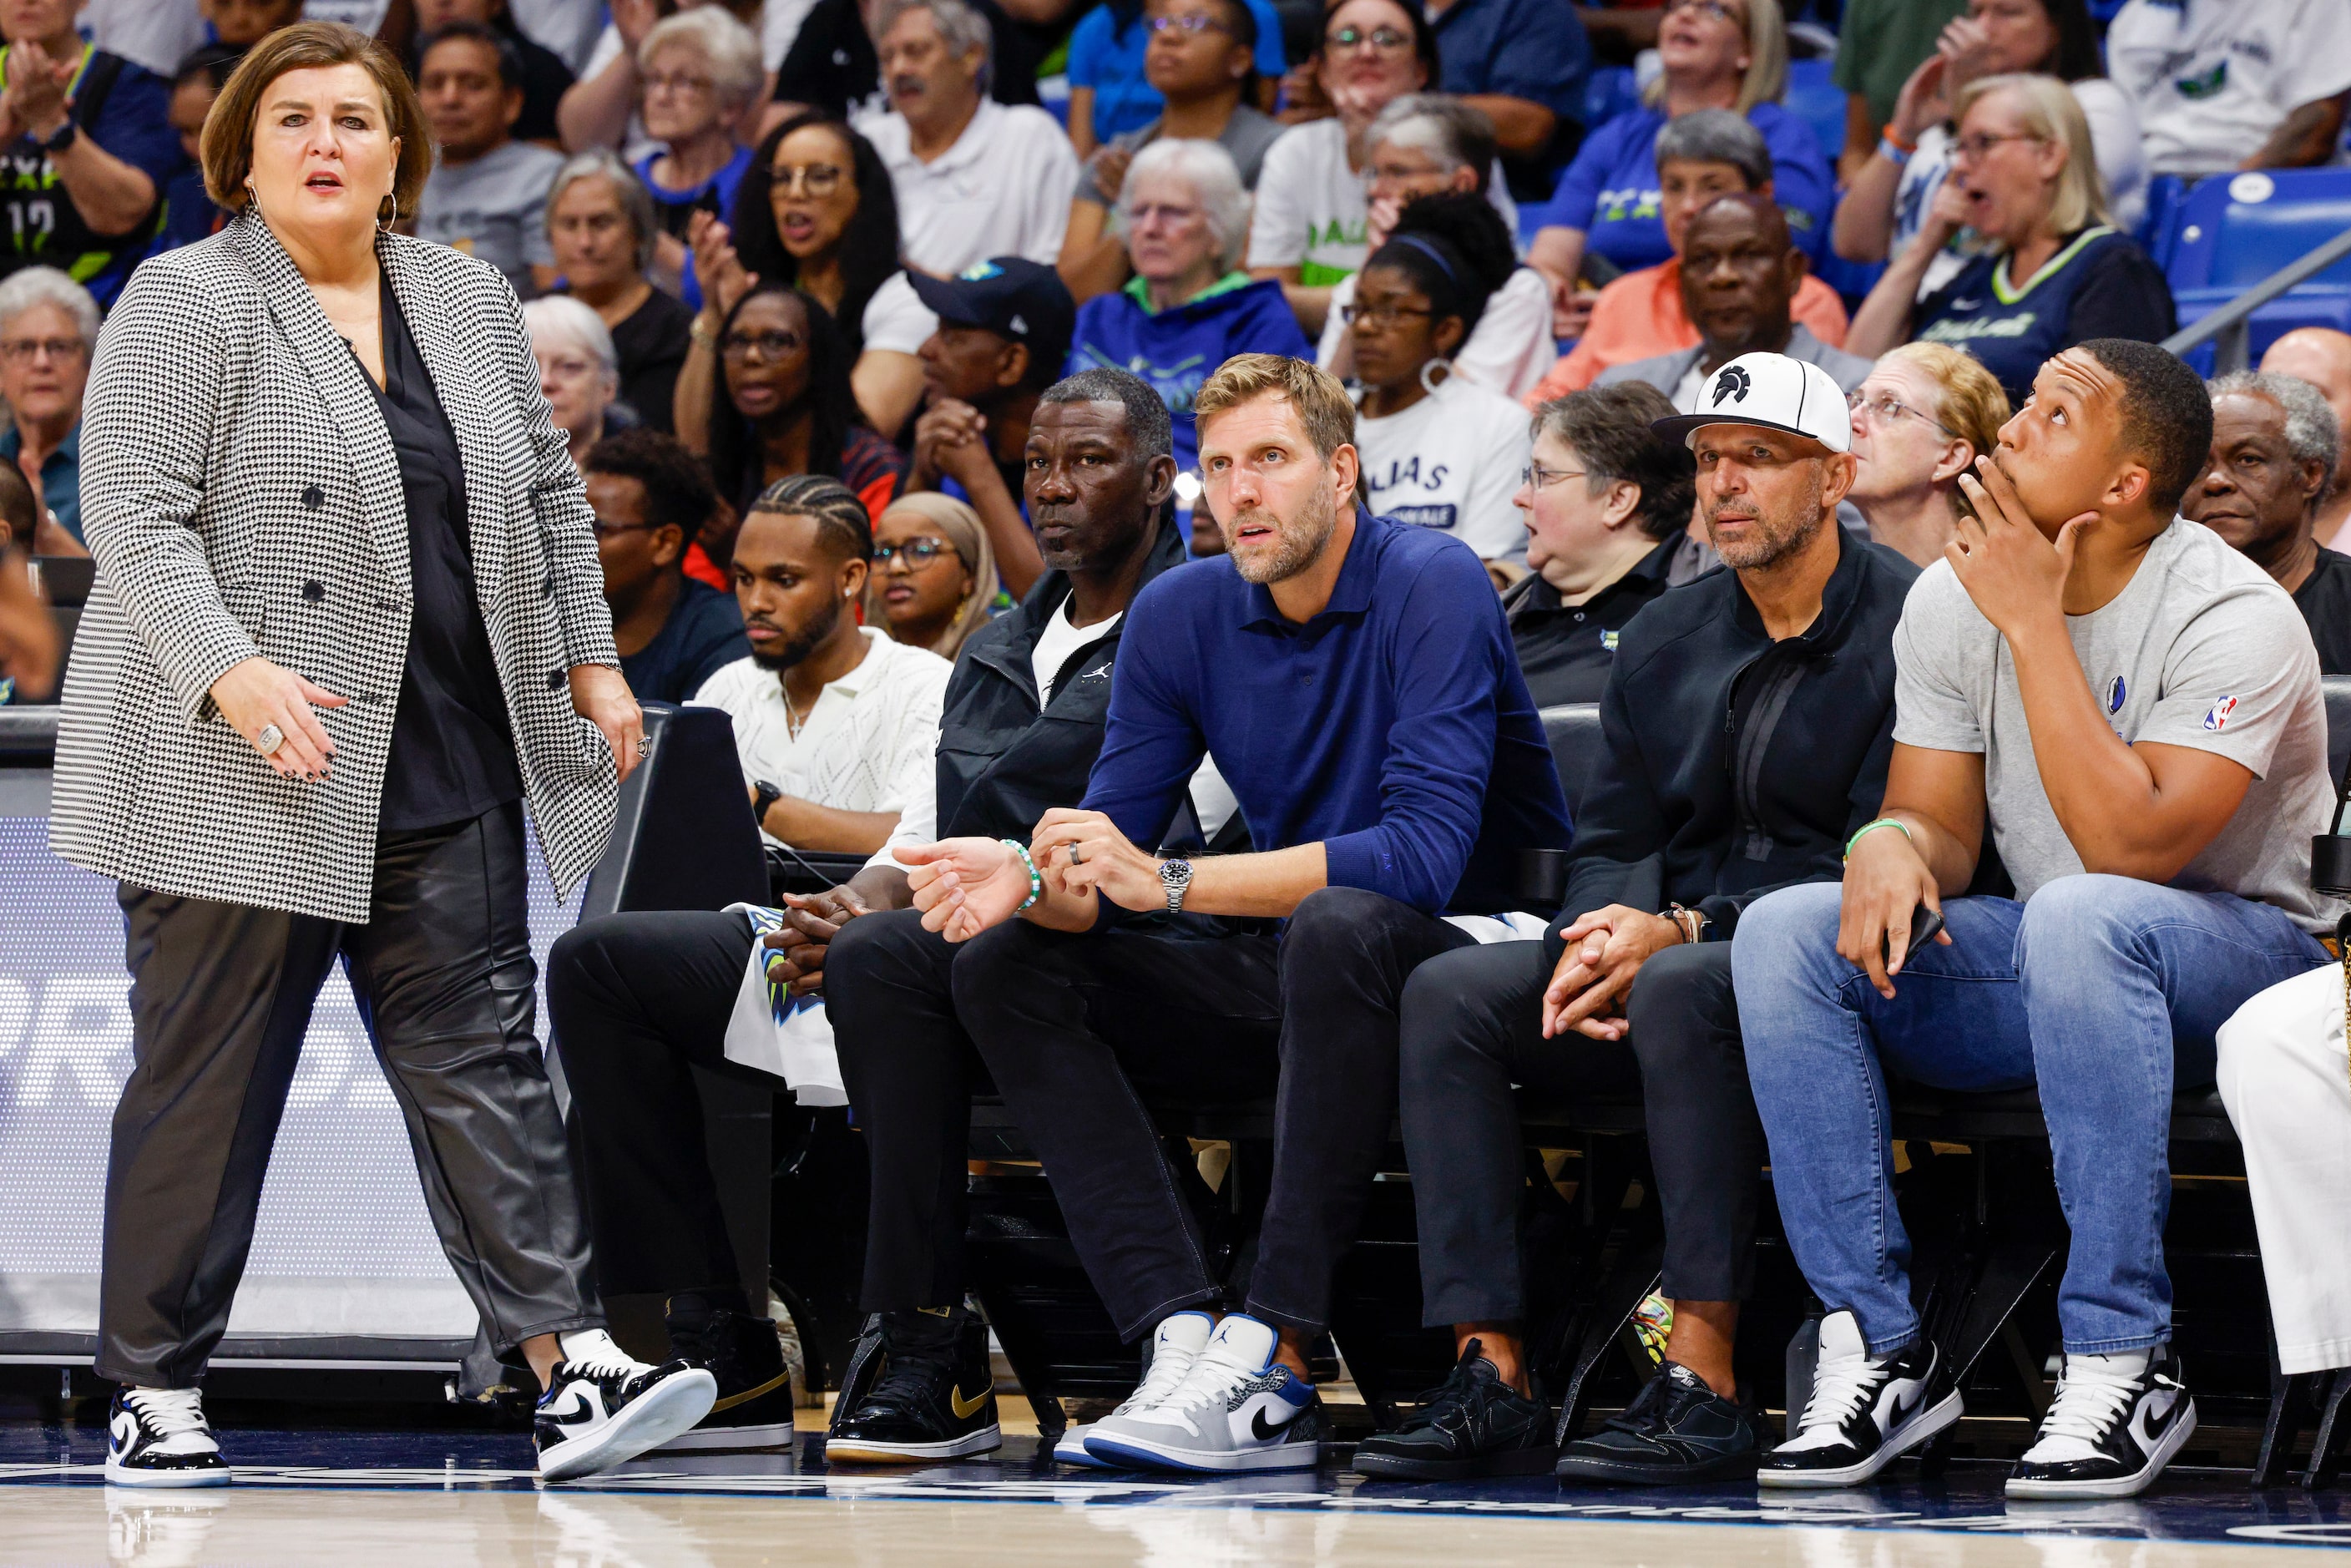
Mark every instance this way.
x=839 y=516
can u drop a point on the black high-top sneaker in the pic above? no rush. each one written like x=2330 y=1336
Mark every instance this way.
x=754 y=1409
x=2116 y=1421
x=918 y=1387
x=1865 y=1411
x=159 y=1437
x=603 y=1408
x=1473 y=1425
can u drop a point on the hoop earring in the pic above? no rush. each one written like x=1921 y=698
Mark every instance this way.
x=1435 y=364
x=384 y=220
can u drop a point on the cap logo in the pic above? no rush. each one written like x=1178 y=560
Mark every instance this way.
x=1019 y=324
x=980 y=272
x=1733 y=383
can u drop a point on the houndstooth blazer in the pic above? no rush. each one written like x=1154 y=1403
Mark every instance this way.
x=240 y=494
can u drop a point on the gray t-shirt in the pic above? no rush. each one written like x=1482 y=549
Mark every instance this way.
x=2199 y=649
x=1247 y=136
x=494 y=207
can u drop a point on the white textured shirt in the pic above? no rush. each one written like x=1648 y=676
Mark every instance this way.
x=1003 y=189
x=866 y=745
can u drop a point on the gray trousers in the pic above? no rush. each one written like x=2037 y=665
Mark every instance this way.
x=1472 y=1028
x=220 y=999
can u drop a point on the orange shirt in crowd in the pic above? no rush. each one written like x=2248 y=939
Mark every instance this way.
x=1640 y=316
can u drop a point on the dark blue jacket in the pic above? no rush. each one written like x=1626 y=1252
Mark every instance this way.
x=1177 y=350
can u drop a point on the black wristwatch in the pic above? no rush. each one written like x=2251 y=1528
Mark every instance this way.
x=763 y=795
x=60 y=139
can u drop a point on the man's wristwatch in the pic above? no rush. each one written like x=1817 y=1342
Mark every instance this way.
x=60 y=139
x=763 y=795
x=1176 y=876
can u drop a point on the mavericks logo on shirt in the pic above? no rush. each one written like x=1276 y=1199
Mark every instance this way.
x=1960 y=329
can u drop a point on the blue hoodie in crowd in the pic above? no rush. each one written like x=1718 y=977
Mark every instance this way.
x=1175 y=350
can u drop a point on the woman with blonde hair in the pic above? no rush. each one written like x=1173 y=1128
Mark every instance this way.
x=2024 y=177
x=1717 y=54
x=933 y=581
x=1921 y=420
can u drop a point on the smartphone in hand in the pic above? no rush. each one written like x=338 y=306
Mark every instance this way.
x=1925 y=924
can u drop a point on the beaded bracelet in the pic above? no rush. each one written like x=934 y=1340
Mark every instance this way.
x=1873 y=826
x=1036 y=882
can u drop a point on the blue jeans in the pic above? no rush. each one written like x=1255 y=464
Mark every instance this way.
x=2104 y=991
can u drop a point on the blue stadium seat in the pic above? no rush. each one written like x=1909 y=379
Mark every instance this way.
x=1819 y=102
x=2233 y=231
x=2158 y=230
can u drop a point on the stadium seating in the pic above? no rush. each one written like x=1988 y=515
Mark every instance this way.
x=2232 y=232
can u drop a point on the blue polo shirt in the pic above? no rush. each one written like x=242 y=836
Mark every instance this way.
x=1533 y=49
x=1394 y=727
x=1611 y=190
x=60 y=475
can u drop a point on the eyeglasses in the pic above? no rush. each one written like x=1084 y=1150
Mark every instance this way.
x=917 y=552
x=1542 y=479
x=608 y=530
x=772 y=345
x=1186 y=25
x=679 y=83
x=1382 y=41
x=1975 y=145
x=568 y=365
x=1885 y=408
x=1380 y=315
x=1714 y=8
x=816 y=179
x=16 y=351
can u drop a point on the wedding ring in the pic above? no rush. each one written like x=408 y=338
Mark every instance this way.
x=271 y=739
x=1075 y=858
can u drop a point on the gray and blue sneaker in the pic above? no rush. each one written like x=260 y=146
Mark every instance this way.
x=1237 y=1409
x=1167 y=1356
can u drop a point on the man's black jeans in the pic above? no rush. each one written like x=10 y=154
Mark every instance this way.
x=1080 y=1030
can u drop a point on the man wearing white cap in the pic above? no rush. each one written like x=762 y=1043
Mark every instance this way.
x=2134 y=709
x=1687 y=820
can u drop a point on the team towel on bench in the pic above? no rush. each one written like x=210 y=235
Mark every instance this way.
x=777 y=1032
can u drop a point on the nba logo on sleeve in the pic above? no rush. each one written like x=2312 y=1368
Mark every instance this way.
x=2115 y=693
x=2217 y=716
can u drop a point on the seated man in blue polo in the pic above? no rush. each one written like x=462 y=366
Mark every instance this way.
x=1003 y=333
x=1353 y=679
x=2134 y=708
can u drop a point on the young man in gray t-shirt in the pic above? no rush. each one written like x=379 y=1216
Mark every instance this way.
x=2134 y=709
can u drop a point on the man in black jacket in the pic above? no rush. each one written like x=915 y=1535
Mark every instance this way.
x=1748 y=722
x=637 y=998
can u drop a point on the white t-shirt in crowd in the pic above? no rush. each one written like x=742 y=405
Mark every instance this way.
x=2199 y=649
x=1510 y=352
x=569 y=27
x=1451 y=462
x=2114 y=137
x=896 y=318
x=869 y=743
x=2212 y=78
x=156 y=34
x=1003 y=189
x=1312 y=210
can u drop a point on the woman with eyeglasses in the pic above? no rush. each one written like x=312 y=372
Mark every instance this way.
x=1716 y=54
x=818 y=212
x=787 y=409
x=578 y=371
x=933 y=578
x=1310 y=226
x=1199 y=59
x=1895 y=186
x=600 y=228
x=1189 y=308
x=1921 y=420
x=2056 y=272
x=1112 y=90
x=702 y=75
x=1438 y=450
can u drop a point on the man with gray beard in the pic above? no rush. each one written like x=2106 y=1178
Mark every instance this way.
x=1354 y=681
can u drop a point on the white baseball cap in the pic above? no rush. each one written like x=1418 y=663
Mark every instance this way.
x=1771 y=390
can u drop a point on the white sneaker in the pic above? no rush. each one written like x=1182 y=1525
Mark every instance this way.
x=603 y=1408
x=1167 y=1356
x=1236 y=1409
x=1865 y=1411
x=2116 y=1421
x=159 y=1437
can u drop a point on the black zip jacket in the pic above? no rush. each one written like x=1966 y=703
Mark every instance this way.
x=1731 y=765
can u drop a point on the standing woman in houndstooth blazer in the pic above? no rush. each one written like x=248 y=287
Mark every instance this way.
x=348 y=619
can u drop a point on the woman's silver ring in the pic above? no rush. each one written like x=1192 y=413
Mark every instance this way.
x=271 y=739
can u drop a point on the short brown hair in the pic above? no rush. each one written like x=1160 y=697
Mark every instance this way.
x=1320 y=398
x=306 y=45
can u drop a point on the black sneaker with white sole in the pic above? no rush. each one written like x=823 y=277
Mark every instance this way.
x=1865 y=1411
x=603 y=1408
x=2116 y=1421
x=754 y=1407
x=159 y=1437
x=918 y=1387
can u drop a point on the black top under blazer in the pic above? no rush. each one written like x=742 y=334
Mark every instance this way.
x=242 y=497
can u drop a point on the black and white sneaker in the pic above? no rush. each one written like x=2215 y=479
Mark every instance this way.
x=2116 y=1421
x=1865 y=1411
x=159 y=1437
x=603 y=1408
